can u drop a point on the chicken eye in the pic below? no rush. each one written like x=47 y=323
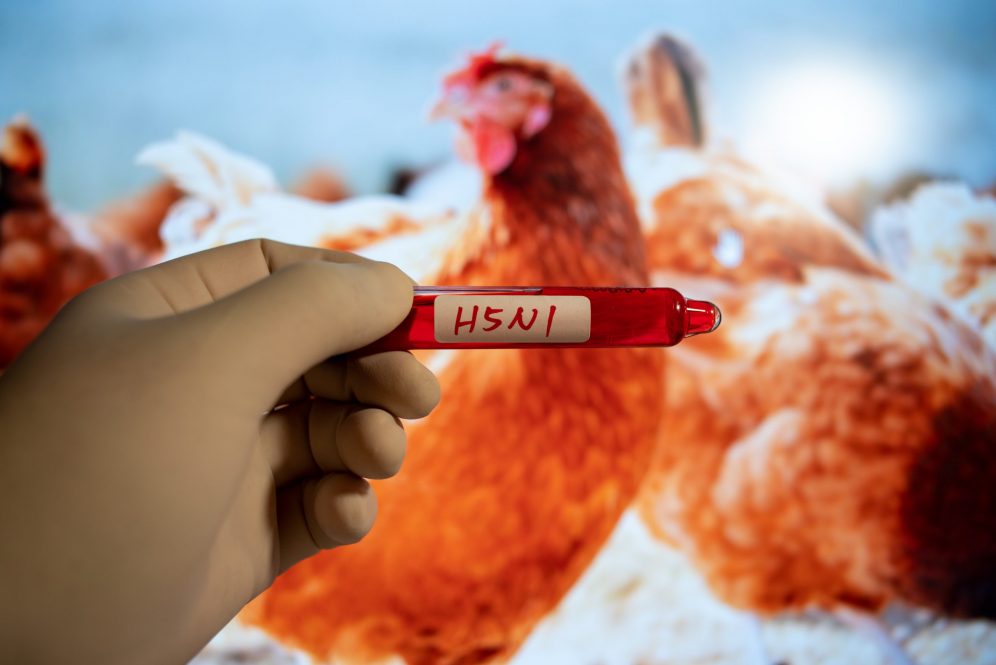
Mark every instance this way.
x=503 y=84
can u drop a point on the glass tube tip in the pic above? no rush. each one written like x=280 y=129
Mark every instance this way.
x=703 y=317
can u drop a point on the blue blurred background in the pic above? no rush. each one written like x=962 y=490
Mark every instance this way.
x=300 y=82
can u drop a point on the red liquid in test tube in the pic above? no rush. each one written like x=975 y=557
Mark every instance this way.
x=548 y=317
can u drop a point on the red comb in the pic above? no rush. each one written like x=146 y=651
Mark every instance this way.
x=477 y=64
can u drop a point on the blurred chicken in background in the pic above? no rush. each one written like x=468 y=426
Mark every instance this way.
x=45 y=256
x=48 y=255
x=230 y=197
x=833 y=444
x=130 y=229
x=513 y=484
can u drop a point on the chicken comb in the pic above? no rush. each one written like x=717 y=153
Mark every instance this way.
x=477 y=66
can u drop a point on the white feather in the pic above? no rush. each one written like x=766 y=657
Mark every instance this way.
x=231 y=197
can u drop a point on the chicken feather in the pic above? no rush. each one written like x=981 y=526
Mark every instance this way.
x=942 y=241
x=231 y=197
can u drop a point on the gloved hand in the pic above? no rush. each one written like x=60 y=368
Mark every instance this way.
x=149 y=487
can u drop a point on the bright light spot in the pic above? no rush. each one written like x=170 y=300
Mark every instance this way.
x=831 y=120
x=729 y=249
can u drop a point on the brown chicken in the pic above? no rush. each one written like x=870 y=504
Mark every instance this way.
x=512 y=485
x=42 y=265
x=130 y=230
x=833 y=444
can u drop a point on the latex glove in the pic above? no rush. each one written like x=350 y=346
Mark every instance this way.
x=148 y=488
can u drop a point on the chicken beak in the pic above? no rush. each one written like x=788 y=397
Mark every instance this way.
x=441 y=109
x=452 y=104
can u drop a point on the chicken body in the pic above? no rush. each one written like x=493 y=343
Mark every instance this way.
x=516 y=480
x=833 y=428
x=42 y=263
x=830 y=446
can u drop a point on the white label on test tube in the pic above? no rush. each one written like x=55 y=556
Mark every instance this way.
x=512 y=319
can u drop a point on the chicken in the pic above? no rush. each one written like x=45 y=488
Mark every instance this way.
x=832 y=445
x=129 y=229
x=230 y=197
x=942 y=241
x=44 y=257
x=516 y=480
